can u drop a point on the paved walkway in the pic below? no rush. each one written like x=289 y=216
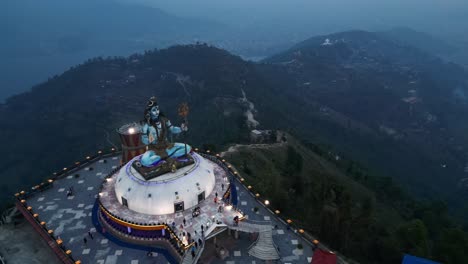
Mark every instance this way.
x=71 y=219
x=284 y=238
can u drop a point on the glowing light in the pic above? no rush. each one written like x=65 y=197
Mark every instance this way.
x=88 y=157
x=99 y=152
x=131 y=130
x=77 y=262
x=50 y=180
x=228 y=207
x=267 y=202
x=59 y=241
x=223 y=160
x=315 y=241
x=35 y=215
x=17 y=194
x=249 y=187
x=242 y=179
x=289 y=221
x=43 y=223
x=207 y=151
x=113 y=149
x=50 y=231
x=277 y=211
x=109 y=179
x=257 y=195
x=64 y=169
x=77 y=163
x=29 y=208
x=68 y=252
x=217 y=154
x=301 y=231
x=100 y=194
x=22 y=192
x=23 y=201
x=196 y=149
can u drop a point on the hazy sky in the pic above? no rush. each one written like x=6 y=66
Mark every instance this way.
x=38 y=34
x=437 y=16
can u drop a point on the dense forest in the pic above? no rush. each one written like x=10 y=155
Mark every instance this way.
x=367 y=217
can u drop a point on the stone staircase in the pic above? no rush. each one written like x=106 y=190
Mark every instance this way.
x=249 y=227
x=264 y=248
x=188 y=259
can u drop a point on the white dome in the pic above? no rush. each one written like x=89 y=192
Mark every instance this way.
x=160 y=195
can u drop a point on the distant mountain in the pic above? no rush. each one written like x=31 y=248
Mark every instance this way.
x=48 y=27
x=449 y=49
x=43 y=38
x=422 y=41
x=388 y=103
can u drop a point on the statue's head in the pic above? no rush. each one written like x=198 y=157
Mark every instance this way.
x=152 y=109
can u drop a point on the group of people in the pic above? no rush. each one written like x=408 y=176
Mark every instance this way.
x=85 y=240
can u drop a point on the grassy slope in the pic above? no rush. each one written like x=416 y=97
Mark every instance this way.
x=263 y=168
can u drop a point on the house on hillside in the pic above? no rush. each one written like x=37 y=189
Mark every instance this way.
x=266 y=136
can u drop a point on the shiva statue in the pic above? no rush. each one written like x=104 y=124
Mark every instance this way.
x=160 y=152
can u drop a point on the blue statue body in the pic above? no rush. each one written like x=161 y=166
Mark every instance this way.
x=154 y=133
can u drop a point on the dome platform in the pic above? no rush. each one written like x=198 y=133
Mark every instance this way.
x=151 y=214
x=167 y=193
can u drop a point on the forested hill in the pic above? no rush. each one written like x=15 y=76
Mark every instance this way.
x=391 y=106
x=364 y=217
x=71 y=115
x=388 y=104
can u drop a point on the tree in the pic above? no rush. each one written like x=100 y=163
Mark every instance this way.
x=413 y=238
x=452 y=247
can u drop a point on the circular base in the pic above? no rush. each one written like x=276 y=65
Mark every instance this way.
x=167 y=193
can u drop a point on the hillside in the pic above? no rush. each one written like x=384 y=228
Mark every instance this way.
x=367 y=218
x=390 y=105
x=46 y=37
x=448 y=49
x=73 y=114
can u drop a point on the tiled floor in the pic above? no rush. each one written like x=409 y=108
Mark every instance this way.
x=70 y=218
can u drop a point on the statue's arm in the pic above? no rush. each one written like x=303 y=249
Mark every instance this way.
x=144 y=134
x=173 y=129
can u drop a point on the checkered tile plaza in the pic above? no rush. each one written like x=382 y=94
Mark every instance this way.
x=71 y=218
